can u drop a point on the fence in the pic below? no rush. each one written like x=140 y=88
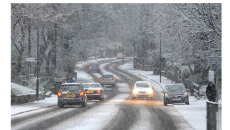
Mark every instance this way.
x=214 y=114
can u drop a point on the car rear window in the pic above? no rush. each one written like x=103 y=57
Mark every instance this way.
x=107 y=76
x=70 y=87
x=91 y=85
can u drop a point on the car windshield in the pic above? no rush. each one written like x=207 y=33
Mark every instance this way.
x=94 y=63
x=91 y=86
x=91 y=58
x=107 y=76
x=70 y=87
x=173 y=88
x=142 y=85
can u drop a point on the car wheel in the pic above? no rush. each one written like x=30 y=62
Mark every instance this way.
x=60 y=105
x=102 y=99
x=84 y=104
x=134 y=98
x=187 y=101
x=165 y=103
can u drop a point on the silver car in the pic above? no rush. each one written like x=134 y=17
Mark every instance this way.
x=142 y=89
x=71 y=94
x=107 y=79
x=94 y=91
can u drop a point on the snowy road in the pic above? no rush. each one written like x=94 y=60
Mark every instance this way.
x=117 y=112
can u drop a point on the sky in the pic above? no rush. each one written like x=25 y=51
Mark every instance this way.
x=194 y=113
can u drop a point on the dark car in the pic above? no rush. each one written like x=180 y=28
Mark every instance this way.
x=71 y=94
x=107 y=79
x=93 y=66
x=175 y=93
x=94 y=91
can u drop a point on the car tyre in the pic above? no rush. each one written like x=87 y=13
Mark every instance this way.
x=134 y=98
x=102 y=99
x=60 y=105
x=152 y=98
x=84 y=104
x=165 y=103
x=187 y=101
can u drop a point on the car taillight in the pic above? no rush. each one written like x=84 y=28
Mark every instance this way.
x=90 y=67
x=88 y=63
x=59 y=94
x=113 y=79
x=81 y=94
x=98 y=91
x=101 y=79
x=99 y=67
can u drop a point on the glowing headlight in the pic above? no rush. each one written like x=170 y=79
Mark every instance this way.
x=135 y=91
x=185 y=94
x=166 y=95
x=150 y=91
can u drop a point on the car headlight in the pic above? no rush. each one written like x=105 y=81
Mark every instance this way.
x=166 y=95
x=185 y=94
x=150 y=91
x=135 y=91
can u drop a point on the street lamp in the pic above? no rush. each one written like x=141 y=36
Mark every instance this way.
x=160 y=57
x=37 y=75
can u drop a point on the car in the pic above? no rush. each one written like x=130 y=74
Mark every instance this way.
x=94 y=91
x=107 y=79
x=71 y=94
x=142 y=89
x=120 y=56
x=175 y=93
x=91 y=59
x=93 y=67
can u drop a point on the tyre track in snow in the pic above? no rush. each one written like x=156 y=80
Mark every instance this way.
x=21 y=121
x=160 y=117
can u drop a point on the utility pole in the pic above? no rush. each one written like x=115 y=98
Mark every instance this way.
x=37 y=79
x=55 y=53
x=134 y=62
x=172 y=69
x=160 y=57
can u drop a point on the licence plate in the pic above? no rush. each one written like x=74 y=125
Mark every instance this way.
x=107 y=82
x=90 y=91
x=70 y=95
x=176 y=99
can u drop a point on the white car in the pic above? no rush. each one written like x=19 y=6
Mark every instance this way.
x=142 y=89
x=94 y=91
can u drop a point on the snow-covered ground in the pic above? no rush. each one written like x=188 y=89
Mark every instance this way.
x=195 y=113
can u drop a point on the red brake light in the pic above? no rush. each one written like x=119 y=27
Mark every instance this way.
x=59 y=94
x=81 y=94
x=98 y=91
x=113 y=79
x=89 y=63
